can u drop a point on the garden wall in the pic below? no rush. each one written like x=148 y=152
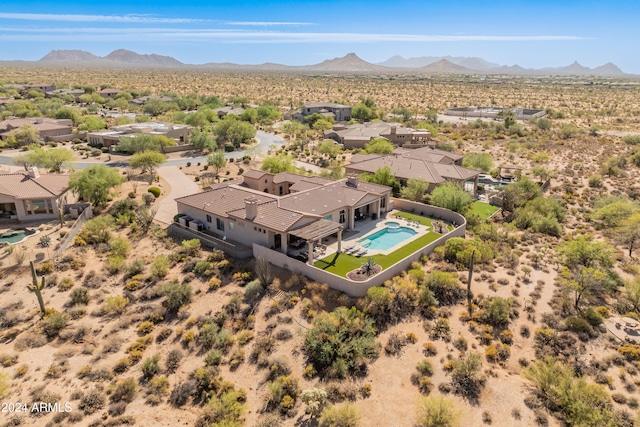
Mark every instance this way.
x=359 y=289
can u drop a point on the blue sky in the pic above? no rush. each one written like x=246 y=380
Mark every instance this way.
x=532 y=34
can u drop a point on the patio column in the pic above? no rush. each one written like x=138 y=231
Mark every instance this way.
x=285 y=243
x=339 y=240
x=378 y=208
x=310 y=252
x=351 y=213
x=475 y=184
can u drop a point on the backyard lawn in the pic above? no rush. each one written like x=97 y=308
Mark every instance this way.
x=485 y=210
x=342 y=263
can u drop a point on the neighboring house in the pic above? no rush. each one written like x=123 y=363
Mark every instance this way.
x=75 y=93
x=45 y=87
x=433 y=165
x=339 y=112
x=493 y=112
x=49 y=129
x=109 y=93
x=275 y=210
x=28 y=196
x=358 y=135
x=223 y=111
x=107 y=138
x=143 y=99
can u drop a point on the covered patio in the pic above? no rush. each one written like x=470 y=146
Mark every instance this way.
x=313 y=234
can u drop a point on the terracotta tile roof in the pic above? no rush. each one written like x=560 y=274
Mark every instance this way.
x=255 y=173
x=222 y=200
x=21 y=186
x=271 y=216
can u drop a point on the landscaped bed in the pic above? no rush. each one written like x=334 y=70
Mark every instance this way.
x=341 y=263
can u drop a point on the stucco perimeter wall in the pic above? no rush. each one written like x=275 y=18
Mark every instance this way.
x=359 y=289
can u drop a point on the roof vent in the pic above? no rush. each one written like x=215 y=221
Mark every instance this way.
x=33 y=172
x=251 y=208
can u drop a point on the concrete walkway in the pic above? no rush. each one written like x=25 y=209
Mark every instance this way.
x=181 y=185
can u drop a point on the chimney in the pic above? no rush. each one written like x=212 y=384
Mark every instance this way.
x=251 y=208
x=33 y=172
x=352 y=181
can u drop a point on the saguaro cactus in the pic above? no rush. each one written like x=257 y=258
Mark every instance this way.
x=35 y=288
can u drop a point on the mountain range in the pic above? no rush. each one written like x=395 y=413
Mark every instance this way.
x=349 y=63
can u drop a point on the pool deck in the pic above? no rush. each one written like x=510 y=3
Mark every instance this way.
x=366 y=228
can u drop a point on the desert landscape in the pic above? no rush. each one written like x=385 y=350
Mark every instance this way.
x=143 y=327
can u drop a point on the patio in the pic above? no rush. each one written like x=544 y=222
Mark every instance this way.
x=353 y=254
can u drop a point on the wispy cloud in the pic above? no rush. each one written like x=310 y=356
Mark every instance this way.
x=245 y=36
x=129 y=19
x=138 y=19
x=266 y=23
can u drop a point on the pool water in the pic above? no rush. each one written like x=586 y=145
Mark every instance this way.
x=15 y=236
x=387 y=238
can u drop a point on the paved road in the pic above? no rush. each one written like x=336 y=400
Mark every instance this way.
x=265 y=140
x=181 y=185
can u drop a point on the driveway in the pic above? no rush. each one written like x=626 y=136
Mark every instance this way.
x=181 y=185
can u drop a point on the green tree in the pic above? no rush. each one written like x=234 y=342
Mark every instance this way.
x=329 y=147
x=92 y=123
x=482 y=161
x=322 y=125
x=382 y=176
x=465 y=374
x=583 y=282
x=155 y=107
x=25 y=135
x=583 y=251
x=294 y=128
x=68 y=113
x=451 y=196
x=611 y=215
x=278 y=163
x=362 y=113
x=629 y=231
x=415 y=189
x=51 y=159
x=147 y=161
x=234 y=131
x=436 y=411
x=201 y=139
x=144 y=142
x=340 y=341
x=379 y=146
x=95 y=183
x=519 y=193
x=217 y=161
x=509 y=118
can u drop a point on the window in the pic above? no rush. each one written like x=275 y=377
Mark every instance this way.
x=208 y=218
x=231 y=226
x=281 y=190
x=329 y=217
x=39 y=206
x=219 y=224
x=343 y=217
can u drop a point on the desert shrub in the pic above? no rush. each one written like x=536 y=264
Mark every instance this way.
x=115 y=304
x=117 y=409
x=4 y=385
x=315 y=399
x=395 y=344
x=92 y=402
x=119 y=246
x=429 y=349
x=283 y=393
x=436 y=411
x=580 y=401
x=225 y=409
x=215 y=283
x=190 y=248
x=159 y=385
x=65 y=284
x=79 y=296
x=173 y=360
x=631 y=139
x=124 y=390
x=54 y=323
x=145 y=327
x=345 y=415
x=244 y=336
x=630 y=351
x=176 y=295
x=445 y=287
x=425 y=367
x=155 y=191
x=181 y=393
x=203 y=268
x=496 y=311
x=253 y=291
x=135 y=267
x=465 y=374
x=213 y=358
x=333 y=347
x=160 y=266
x=592 y=316
x=150 y=366
x=578 y=324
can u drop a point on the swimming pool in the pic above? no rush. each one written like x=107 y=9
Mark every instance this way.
x=15 y=236
x=387 y=238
